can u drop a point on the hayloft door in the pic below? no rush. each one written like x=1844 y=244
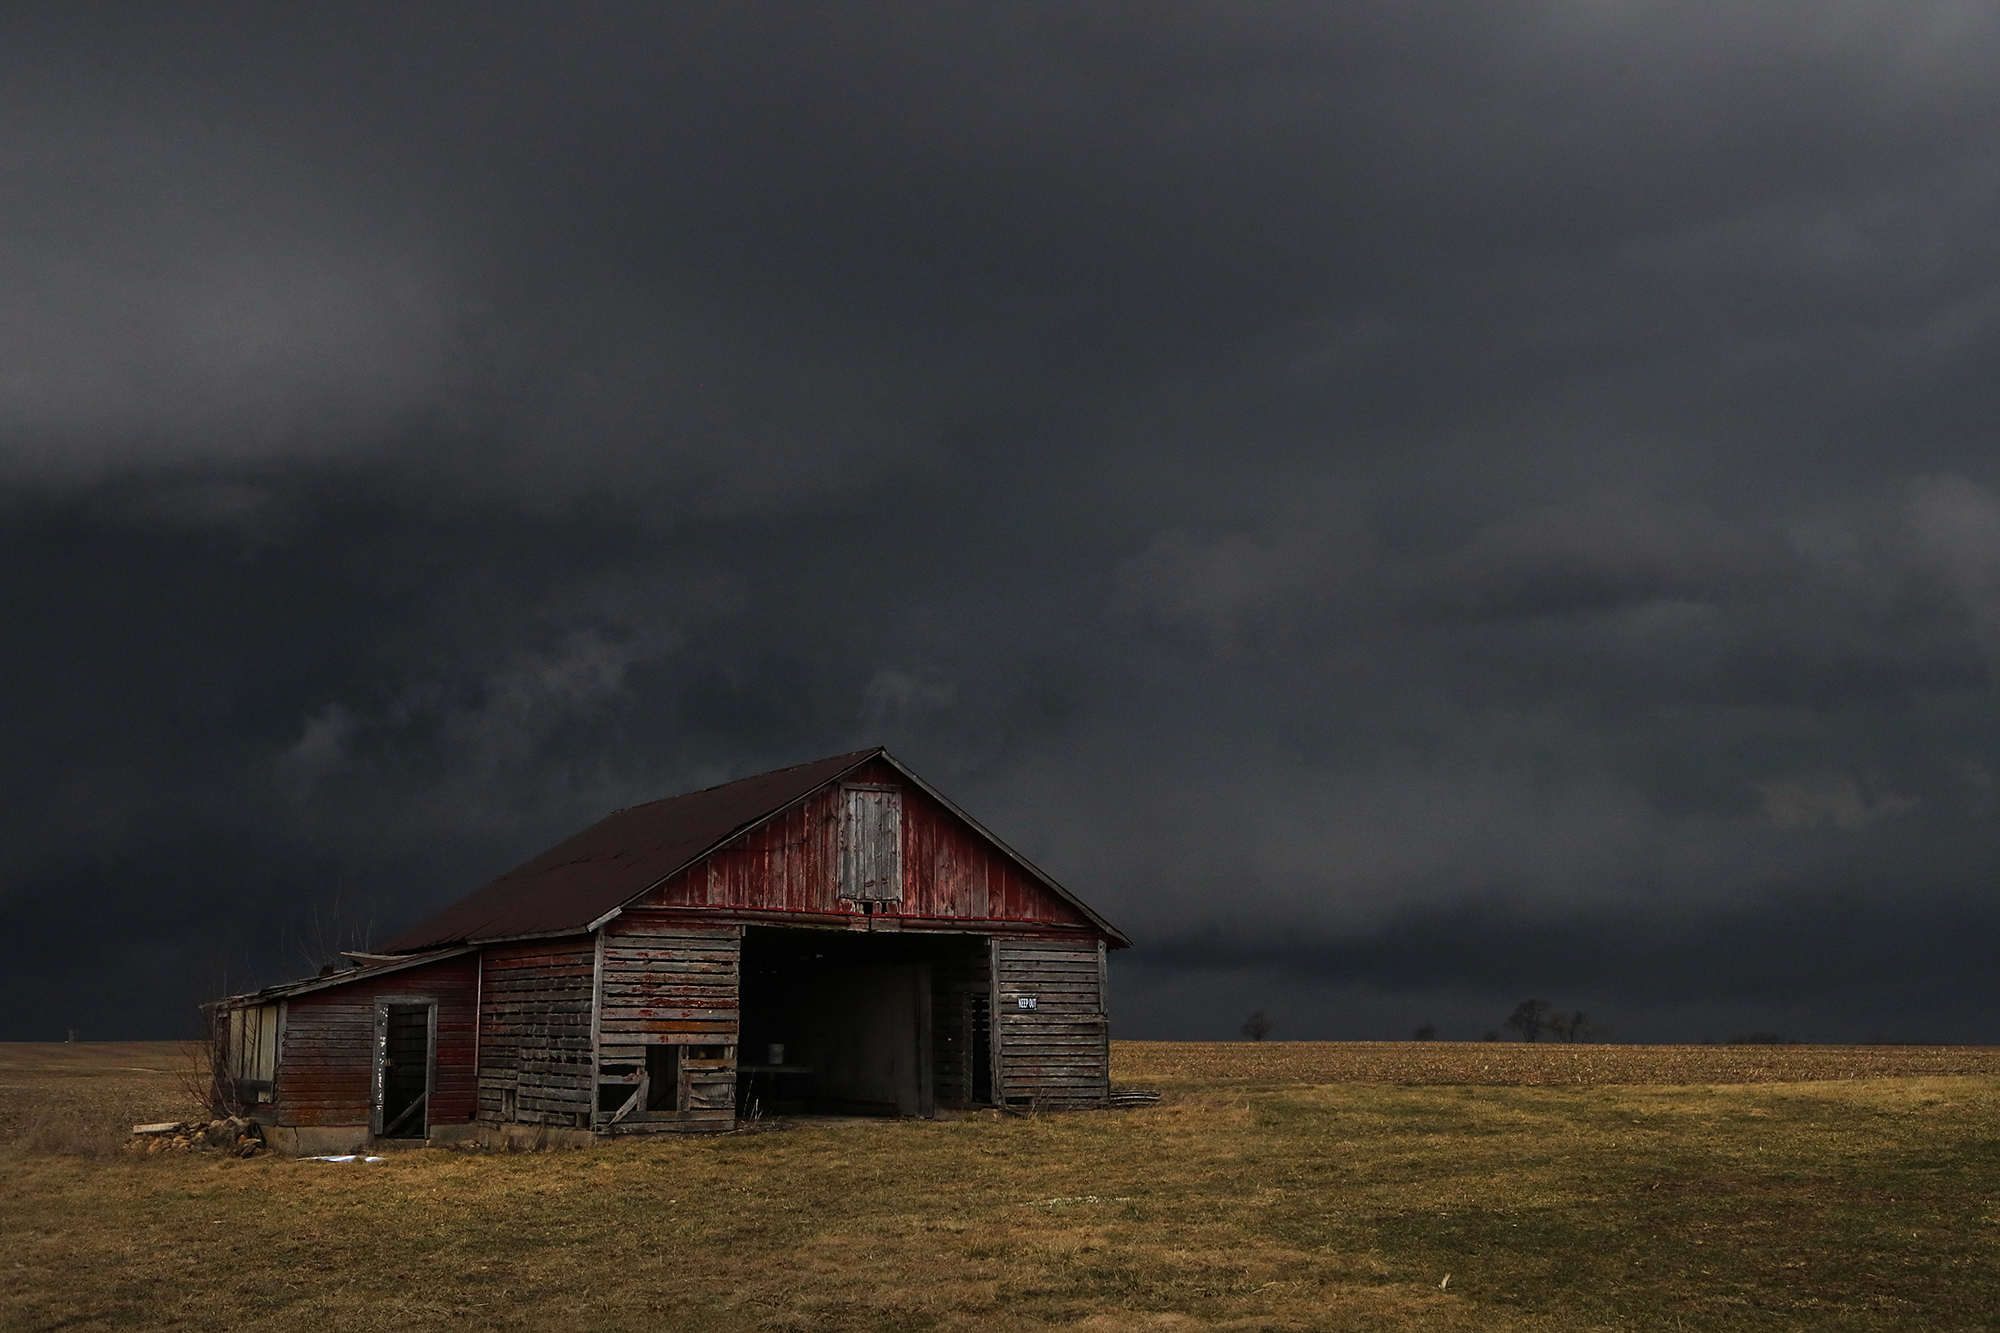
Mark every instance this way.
x=406 y=1057
x=871 y=846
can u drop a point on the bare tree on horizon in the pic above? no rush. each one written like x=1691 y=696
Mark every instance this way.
x=1530 y=1019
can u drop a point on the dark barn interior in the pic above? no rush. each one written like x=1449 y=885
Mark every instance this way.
x=842 y=1022
x=406 y=1071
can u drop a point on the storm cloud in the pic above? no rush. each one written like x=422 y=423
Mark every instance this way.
x=1404 y=507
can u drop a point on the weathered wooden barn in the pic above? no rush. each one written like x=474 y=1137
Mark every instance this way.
x=834 y=937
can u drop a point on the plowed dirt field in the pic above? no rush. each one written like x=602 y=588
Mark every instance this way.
x=1526 y=1064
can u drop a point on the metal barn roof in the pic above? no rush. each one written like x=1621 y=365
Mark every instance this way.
x=578 y=882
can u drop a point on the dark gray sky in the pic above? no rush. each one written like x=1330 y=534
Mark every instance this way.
x=1404 y=506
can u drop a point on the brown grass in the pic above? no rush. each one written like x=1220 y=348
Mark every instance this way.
x=1275 y=1187
x=83 y=1099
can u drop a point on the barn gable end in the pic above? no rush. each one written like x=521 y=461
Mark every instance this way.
x=952 y=871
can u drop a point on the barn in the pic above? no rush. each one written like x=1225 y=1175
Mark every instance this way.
x=837 y=937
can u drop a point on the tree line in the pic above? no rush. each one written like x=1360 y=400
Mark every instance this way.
x=1532 y=1020
x=1536 y=1020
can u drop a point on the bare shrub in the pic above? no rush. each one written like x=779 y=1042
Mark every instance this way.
x=202 y=1077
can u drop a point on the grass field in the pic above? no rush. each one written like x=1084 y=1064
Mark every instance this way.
x=1276 y=1186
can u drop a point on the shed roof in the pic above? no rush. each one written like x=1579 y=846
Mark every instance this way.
x=366 y=968
x=579 y=882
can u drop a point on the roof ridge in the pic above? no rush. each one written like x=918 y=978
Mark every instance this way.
x=749 y=777
x=597 y=872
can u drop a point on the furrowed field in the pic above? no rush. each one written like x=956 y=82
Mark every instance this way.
x=1276 y=1186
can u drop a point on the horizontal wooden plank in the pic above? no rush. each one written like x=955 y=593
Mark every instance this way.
x=1047 y=1010
x=723 y=1033
x=670 y=953
x=678 y=967
x=652 y=925
x=1063 y=1025
x=1023 y=1033
x=701 y=999
x=673 y=1023
x=1090 y=995
x=1052 y=1055
x=1011 y=987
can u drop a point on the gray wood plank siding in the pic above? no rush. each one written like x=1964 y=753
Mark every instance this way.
x=1056 y=1054
x=871 y=846
x=671 y=982
x=535 y=1058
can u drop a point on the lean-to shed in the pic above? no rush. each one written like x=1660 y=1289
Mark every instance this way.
x=837 y=936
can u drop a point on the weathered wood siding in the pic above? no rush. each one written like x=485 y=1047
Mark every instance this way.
x=535 y=1057
x=792 y=864
x=326 y=1071
x=672 y=982
x=1057 y=1054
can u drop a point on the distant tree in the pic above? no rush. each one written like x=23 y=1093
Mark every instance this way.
x=1428 y=1032
x=1530 y=1019
x=1757 y=1039
x=1491 y=1035
x=1258 y=1026
x=1572 y=1027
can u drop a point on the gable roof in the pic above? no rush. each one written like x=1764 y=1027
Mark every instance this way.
x=582 y=881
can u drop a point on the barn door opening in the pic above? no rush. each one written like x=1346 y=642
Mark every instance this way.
x=406 y=1058
x=869 y=1023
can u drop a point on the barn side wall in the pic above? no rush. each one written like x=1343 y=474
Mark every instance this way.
x=326 y=1069
x=1057 y=1054
x=535 y=1058
x=791 y=864
x=670 y=982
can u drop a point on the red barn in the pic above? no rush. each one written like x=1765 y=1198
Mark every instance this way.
x=833 y=937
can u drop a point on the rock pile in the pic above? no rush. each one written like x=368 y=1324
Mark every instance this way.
x=233 y=1137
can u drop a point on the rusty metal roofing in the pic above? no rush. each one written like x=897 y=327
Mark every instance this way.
x=577 y=883
x=361 y=971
